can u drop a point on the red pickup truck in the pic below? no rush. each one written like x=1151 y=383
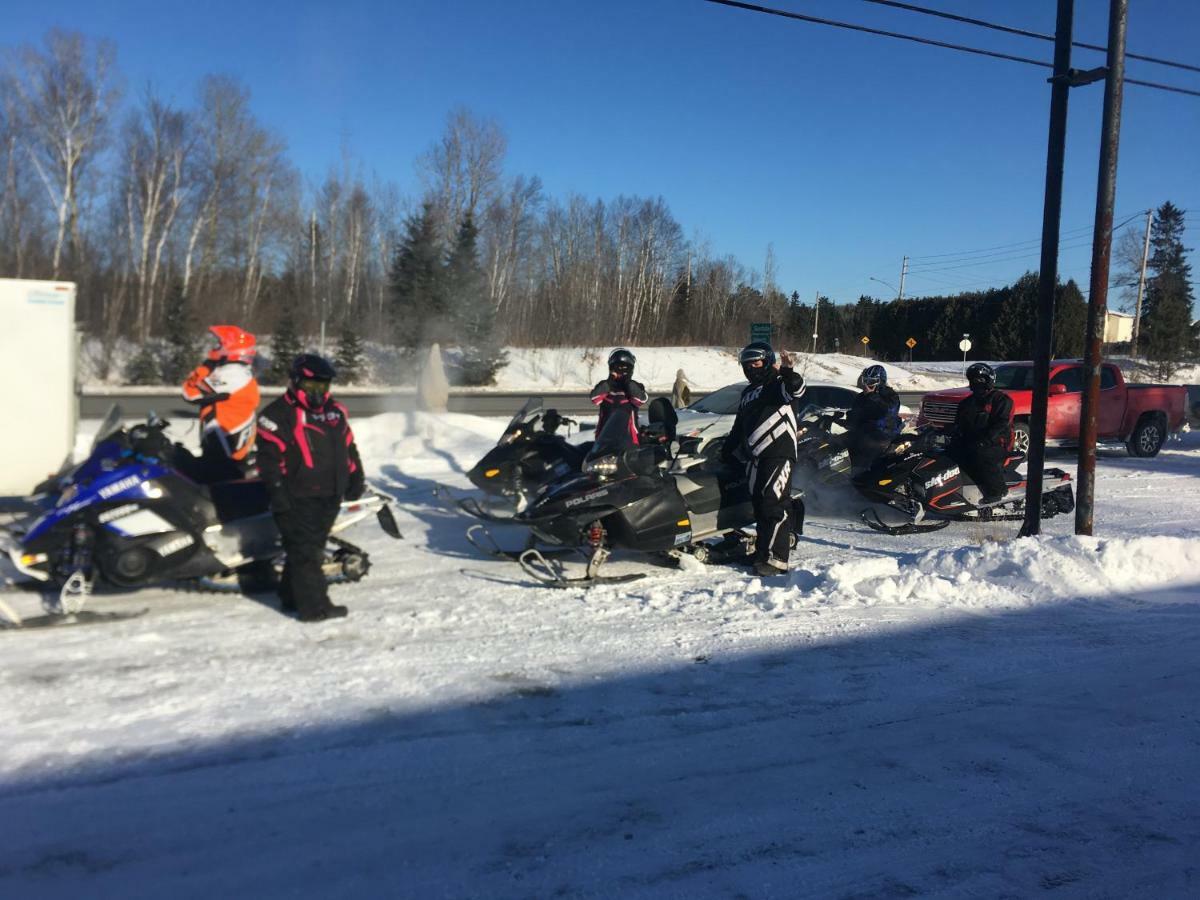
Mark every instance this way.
x=1139 y=415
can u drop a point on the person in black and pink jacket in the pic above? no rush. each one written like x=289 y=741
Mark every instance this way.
x=619 y=389
x=309 y=463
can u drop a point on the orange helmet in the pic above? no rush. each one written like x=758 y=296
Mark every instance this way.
x=233 y=344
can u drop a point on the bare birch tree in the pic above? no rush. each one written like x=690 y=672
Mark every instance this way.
x=66 y=91
x=462 y=171
x=156 y=144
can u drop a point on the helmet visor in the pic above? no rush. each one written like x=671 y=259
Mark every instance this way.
x=314 y=387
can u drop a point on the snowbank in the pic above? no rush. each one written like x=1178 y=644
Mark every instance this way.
x=578 y=368
x=1018 y=572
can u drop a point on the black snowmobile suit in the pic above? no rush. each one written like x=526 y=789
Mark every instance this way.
x=612 y=393
x=872 y=423
x=982 y=437
x=309 y=462
x=765 y=431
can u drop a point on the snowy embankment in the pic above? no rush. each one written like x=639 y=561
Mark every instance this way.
x=960 y=713
x=578 y=368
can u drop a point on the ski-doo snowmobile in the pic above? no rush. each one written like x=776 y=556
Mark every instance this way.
x=653 y=497
x=530 y=453
x=922 y=481
x=128 y=517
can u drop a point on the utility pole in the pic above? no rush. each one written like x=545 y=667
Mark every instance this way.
x=903 y=272
x=1056 y=146
x=1106 y=189
x=816 y=319
x=1137 y=309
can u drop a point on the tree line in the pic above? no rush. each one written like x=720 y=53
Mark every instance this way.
x=171 y=217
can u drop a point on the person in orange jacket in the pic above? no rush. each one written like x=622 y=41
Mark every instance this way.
x=224 y=388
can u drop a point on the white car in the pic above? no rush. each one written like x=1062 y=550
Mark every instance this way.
x=712 y=416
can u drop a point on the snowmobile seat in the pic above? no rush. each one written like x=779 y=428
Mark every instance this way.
x=662 y=417
x=239 y=499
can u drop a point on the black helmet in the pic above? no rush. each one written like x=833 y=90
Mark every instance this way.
x=873 y=377
x=981 y=377
x=621 y=361
x=311 y=375
x=753 y=352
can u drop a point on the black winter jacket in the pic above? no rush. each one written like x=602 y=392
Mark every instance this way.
x=307 y=452
x=984 y=421
x=612 y=393
x=765 y=425
x=875 y=412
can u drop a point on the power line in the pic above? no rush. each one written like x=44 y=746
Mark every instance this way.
x=962 y=48
x=1004 y=252
x=968 y=253
x=1024 y=32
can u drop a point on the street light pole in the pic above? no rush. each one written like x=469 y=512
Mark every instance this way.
x=816 y=319
x=1137 y=309
x=903 y=272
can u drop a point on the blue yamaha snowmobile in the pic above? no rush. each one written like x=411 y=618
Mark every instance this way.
x=130 y=516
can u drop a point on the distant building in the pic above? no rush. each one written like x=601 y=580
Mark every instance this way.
x=1118 y=328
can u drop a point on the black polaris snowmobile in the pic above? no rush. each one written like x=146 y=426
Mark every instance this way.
x=653 y=497
x=530 y=453
x=922 y=481
x=128 y=516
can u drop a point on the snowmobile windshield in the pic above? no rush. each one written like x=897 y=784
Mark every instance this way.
x=109 y=426
x=525 y=415
x=617 y=434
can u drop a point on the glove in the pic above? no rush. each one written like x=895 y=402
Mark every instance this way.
x=356 y=487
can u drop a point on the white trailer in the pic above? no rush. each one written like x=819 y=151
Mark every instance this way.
x=38 y=350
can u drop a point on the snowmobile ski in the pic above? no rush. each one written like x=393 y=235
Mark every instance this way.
x=872 y=520
x=550 y=572
x=84 y=617
x=484 y=541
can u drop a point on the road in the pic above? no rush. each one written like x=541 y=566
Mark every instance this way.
x=136 y=405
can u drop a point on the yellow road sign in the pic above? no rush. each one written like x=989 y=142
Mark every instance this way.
x=866 y=340
x=910 y=343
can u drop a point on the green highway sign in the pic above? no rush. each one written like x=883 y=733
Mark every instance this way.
x=760 y=331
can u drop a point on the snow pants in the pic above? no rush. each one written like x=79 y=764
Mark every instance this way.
x=984 y=466
x=865 y=448
x=304 y=528
x=770 y=492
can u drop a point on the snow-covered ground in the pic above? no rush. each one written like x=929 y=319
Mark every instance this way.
x=961 y=714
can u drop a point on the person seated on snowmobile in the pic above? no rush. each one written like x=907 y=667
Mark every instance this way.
x=309 y=464
x=764 y=431
x=619 y=389
x=224 y=388
x=873 y=420
x=983 y=433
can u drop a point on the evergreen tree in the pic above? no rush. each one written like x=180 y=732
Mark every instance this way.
x=417 y=299
x=181 y=350
x=467 y=301
x=1070 y=321
x=1167 y=309
x=350 y=358
x=285 y=346
x=143 y=368
x=1015 y=325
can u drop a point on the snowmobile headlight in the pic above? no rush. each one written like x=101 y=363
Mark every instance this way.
x=605 y=465
x=885 y=481
x=491 y=473
x=33 y=559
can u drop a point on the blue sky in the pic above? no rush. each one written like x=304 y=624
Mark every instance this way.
x=846 y=151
